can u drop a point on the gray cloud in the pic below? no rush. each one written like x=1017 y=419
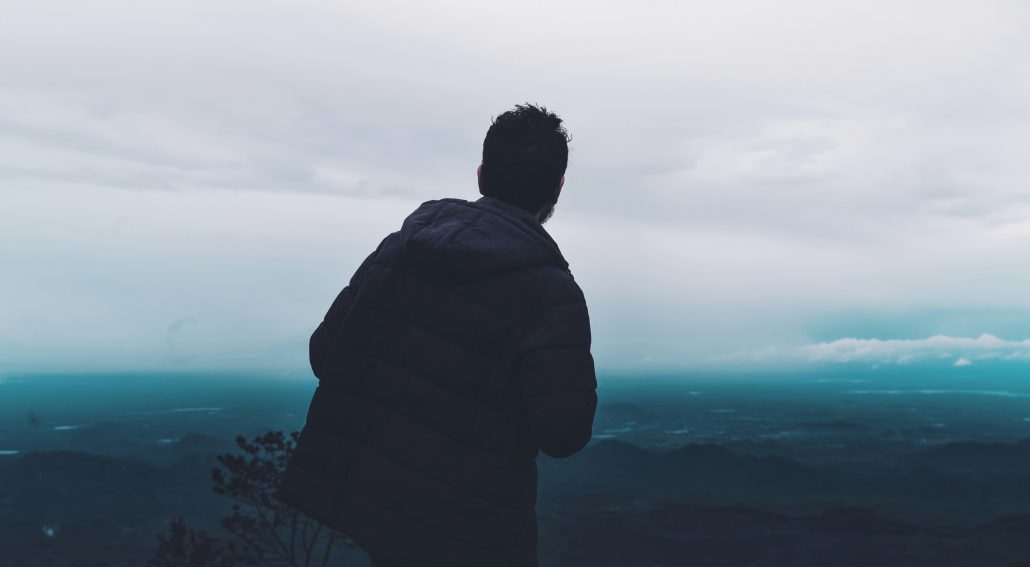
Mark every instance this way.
x=741 y=174
x=962 y=350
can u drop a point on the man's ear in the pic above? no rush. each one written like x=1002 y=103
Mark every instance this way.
x=479 y=178
x=557 y=191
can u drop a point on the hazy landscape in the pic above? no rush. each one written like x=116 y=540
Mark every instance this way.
x=823 y=203
x=846 y=466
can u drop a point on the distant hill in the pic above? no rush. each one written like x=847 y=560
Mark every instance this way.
x=192 y=447
x=977 y=458
x=861 y=521
x=741 y=536
x=695 y=471
x=714 y=475
x=98 y=509
x=103 y=439
x=614 y=504
x=625 y=415
x=70 y=485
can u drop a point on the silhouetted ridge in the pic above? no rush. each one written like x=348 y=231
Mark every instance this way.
x=199 y=443
x=706 y=470
x=1006 y=459
x=860 y=521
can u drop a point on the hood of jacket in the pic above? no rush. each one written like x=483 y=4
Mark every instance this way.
x=455 y=239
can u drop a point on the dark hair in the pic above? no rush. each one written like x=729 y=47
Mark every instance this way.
x=525 y=154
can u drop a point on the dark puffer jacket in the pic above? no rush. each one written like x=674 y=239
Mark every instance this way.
x=459 y=350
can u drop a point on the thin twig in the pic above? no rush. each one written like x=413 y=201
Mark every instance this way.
x=328 y=547
x=311 y=548
x=293 y=538
x=284 y=551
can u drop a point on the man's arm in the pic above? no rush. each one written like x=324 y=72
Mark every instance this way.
x=320 y=340
x=556 y=371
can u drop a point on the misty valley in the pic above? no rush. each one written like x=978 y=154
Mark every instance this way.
x=843 y=466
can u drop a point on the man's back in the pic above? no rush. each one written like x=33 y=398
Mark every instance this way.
x=459 y=350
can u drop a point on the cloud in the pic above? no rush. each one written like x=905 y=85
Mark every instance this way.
x=741 y=173
x=805 y=126
x=963 y=350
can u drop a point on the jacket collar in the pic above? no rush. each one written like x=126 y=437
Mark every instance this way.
x=528 y=219
x=511 y=209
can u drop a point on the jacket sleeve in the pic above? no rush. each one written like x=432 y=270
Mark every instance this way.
x=321 y=338
x=556 y=372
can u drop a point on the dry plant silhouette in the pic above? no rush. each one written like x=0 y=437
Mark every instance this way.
x=261 y=530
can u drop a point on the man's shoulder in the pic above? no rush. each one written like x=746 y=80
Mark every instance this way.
x=559 y=287
x=443 y=202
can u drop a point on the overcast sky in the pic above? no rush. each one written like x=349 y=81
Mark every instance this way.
x=189 y=184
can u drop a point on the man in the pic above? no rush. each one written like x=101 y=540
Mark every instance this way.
x=459 y=350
